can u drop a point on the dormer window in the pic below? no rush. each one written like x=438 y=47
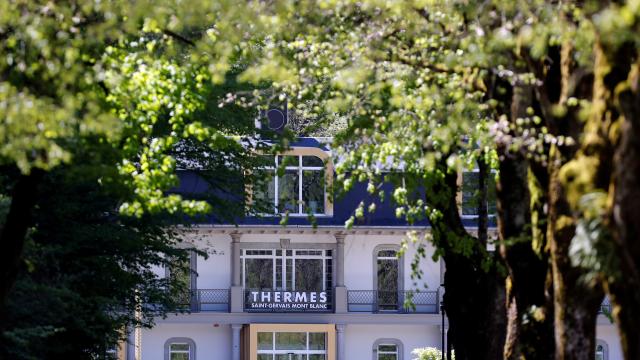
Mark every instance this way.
x=296 y=185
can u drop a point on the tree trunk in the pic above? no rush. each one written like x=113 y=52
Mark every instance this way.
x=624 y=290
x=521 y=199
x=577 y=298
x=474 y=295
x=573 y=171
x=14 y=231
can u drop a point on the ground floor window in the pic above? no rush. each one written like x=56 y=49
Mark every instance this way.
x=179 y=349
x=601 y=351
x=387 y=352
x=387 y=349
x=292 y=345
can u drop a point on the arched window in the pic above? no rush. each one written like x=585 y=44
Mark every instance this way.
x=179 y=348
x=387 y=349
x=183 y=274
x=602 y=350
x=388 y=278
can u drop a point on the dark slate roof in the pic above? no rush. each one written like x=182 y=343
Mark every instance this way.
x=343 y=206
x=309 y=142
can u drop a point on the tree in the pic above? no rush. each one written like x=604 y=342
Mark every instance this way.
x=64 y=75
x=98 y=114
x=87 y=275
x=543 y=88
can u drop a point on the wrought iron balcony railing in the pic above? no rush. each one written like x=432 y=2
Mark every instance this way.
x=424 y=302
x=207 y=300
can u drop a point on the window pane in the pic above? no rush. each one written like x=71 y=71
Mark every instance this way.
x=289 y=280
x=291 y=341
x=491 y=195
x=328 y=277
x=293 y=357
x=388 y=284
x=265 y=341
x=387 y=253
x=387 y=357
x=317 y=341
x=265 y=190
x=267 y=161
x=265 y=357
x=309 y=274
x=179 y=347
x=317 y=357
x=180 y=276
x=387 y=348
x=313 y=191
x=288 y=192
x=179 y=356
x=470 y=193
x=258 y=273
x=288 y=161
x=312 y=161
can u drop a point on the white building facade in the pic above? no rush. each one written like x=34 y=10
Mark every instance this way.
x=268 y=292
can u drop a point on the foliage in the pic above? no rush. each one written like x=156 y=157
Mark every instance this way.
x=428 y=353
x=112 y=108
x=86 y=269
x=429 y=87
x=71 y=70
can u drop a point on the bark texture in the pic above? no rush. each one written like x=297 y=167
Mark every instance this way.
x=624 y=287
x=573 y=171
x=14 y=231
x=528 y=301
x=474 y=297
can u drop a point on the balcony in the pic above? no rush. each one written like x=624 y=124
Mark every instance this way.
x=380 y=301
x=363 y=301
x=202 y=300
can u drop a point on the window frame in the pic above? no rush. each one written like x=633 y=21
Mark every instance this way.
x=605 y=349
x=193 y=277
x=388 y=247
x=328 y=169
x=179 y=340
x=300 y=169
x=324 y=256
x=273 y=351
x=388 y=341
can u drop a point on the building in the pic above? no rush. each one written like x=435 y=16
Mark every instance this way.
x=268 y=292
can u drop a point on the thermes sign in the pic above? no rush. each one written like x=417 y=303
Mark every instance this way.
x=286 y=301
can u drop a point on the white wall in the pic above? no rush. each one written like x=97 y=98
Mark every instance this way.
x=359 y=339
x=211 y=342
x=320 y=237
x=215 y=271
x=359 y=257
x=609 y=334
